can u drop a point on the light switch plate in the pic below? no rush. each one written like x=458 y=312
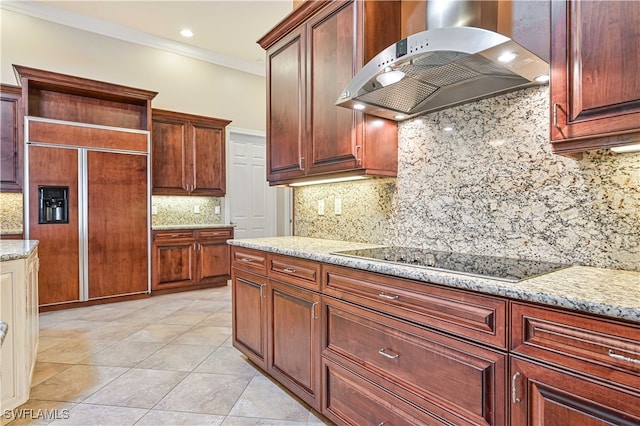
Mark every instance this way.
x=154 y=210
x=196 y=209
x=337 y=206
x=216 y=210
x=321 y=207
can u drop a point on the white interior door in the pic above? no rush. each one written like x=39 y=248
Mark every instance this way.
x=251 y=202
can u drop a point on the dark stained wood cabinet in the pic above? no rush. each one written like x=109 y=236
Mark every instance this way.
x=294 y=339
x=11 y=141
x=185 y=259
x=311 y=56
x=595 y=61
x=249 y=304
x=188 y=154
x=570 y=368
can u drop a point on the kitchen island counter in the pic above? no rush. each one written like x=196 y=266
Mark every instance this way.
x=607 y=292
x=16 y=249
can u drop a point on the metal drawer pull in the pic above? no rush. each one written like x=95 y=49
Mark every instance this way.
x=614 y=355
x=386 y=296
x=386 y=354
x=289 y=270
x=514 y=390
x=381 y=423
x=245 y=259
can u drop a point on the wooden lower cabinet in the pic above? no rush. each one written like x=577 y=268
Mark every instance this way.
x=543 y=395
x=446 y=377
x=249 y=315
x=294 y=339
x=184 y=259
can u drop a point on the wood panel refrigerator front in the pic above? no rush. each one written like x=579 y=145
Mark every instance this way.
x=103 y=250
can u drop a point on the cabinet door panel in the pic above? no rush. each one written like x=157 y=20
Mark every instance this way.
x=545 y=396
x=250 y=315
x=173 y=264
x=118 y=238
x=208 y=160
x=331 y=64
x=595 y=60
x=213 y=262
x=170 y=162
x=294 y=339
x=59 y=252
x=11 y=142
x=285 y=123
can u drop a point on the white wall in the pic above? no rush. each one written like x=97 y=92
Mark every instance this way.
x=183 y=84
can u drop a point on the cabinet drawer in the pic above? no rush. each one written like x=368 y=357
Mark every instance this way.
x=249 y=260
x=431 y=368
x=302 y=272
x=218 y=233
x=171 y=236
x=349 y=399
x=478 y=317
x=608 y=349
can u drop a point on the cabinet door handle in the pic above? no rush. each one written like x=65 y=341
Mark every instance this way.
x=358 y=148
x=289 y=270
x=514 y=389
x=301 y=163
x=386 y=354
x=555 y=115
x=261 y=292
x=614 y=355
x=386 y=296
x=313 y=311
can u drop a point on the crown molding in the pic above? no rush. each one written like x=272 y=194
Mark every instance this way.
x=40 y=10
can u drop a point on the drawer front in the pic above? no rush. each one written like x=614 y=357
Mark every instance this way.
x=478 y=317
x=249 y=260
x=433 y=368
x=351 y=400
x=604 y=348
x=160 y=237
x=305 y=273
x=222 y=233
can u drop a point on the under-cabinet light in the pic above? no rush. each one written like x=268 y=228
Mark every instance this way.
x=542 y=78
x=507 y=57
x=330 y=180
x=626 y=148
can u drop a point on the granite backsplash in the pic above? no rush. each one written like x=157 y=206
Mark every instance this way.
x=11 y=213
x=490 y=186
x=175 y=210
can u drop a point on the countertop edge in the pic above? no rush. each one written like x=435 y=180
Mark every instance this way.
x=530 y=290
x=17 y=249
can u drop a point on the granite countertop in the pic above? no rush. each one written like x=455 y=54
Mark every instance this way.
x=4 y=327
x=200 y=226
x=607 y=292
x=16 y=249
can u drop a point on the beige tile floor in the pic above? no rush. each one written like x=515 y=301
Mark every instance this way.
x=164 y=360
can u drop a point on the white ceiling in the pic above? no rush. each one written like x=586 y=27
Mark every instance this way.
x=225 y=31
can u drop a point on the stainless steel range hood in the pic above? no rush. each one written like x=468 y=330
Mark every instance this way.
x=442 y=67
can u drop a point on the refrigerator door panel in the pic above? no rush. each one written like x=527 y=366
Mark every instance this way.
x=117 y=223
x=59 y=242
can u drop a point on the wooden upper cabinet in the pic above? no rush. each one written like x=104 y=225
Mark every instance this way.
x=312 y=55
x=188 y=154
x=11 y=144
x=595 y=63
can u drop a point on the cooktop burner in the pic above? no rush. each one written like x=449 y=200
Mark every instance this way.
x=500 y=268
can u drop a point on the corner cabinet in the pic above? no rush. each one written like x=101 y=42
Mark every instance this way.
x=11 y=144
x=595 y=63
x=311 y=57
x=188 y=153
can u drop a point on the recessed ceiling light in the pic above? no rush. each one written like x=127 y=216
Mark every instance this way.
x=186 y=32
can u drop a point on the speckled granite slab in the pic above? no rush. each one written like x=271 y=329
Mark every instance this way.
x=16 y=249
x=200 y=226
x=599 y=291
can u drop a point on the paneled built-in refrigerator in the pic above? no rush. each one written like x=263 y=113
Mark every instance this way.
x=87 y=195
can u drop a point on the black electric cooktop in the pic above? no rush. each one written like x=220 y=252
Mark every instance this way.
x=499 y=268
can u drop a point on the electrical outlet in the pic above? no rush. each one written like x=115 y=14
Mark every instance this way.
x=154 y=210
x=216 y=210
x=321 y=207
x=337 y=206
x=196 y=209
